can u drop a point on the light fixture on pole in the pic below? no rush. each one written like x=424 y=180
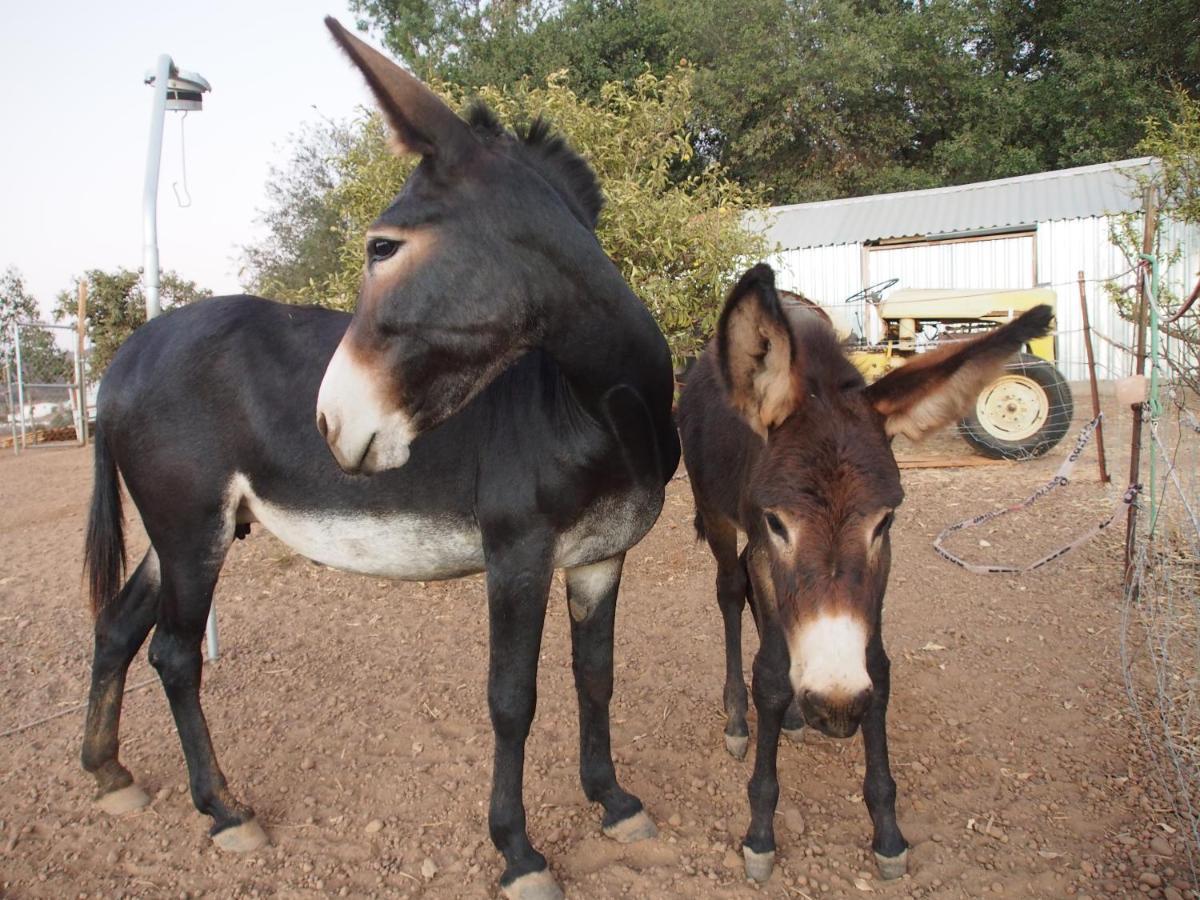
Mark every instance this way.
x=174 y=90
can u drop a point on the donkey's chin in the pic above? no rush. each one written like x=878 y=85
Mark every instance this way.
x=383 y=454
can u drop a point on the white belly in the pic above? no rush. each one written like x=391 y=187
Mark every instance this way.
x=415 y=547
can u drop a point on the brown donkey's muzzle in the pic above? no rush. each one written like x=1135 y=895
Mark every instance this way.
x=835 y=716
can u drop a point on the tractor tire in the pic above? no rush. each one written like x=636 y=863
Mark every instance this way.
x=1021 y=414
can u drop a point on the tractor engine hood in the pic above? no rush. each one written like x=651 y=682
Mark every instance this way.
x=948 y=304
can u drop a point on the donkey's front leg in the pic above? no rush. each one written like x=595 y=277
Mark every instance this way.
x=772 y=693
x=592 y=600
x=518 y=580
x=879 y=789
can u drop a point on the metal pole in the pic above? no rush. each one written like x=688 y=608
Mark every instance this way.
x=16 y=333
x=1105 y=478
x=81 y=326
x=1150 y=222
x=158 y=111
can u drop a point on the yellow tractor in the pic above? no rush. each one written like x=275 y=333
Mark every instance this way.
x=1021 y=414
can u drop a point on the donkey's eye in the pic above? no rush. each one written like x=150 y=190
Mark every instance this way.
x=884 y=524
x=381 y=248
x=776 y=525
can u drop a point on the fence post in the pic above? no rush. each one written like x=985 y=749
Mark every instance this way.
x=79 y=379
x=1149 y=224
x=16 y=333
x=1105 y=478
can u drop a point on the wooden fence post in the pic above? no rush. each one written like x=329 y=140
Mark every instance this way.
x=1149 y=224
x=1105 y=478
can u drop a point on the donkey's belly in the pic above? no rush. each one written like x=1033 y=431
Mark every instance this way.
x=423 y=547
x=405 y=545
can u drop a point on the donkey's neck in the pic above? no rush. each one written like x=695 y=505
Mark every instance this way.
x=602 y=337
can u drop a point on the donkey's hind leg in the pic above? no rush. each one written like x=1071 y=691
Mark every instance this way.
x=121 y=628
x=592 y=599
x=189 y=578
x=732 y=591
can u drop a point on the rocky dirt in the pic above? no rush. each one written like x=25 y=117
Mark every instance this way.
x=351 y=713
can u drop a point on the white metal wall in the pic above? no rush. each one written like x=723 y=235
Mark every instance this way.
x=1001 y=263
x=1061 y=250
x=1068 y=247
x=826 y=275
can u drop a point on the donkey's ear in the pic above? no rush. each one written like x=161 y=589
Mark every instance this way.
x=756 y=351
x=939 y=387
x=420 y=121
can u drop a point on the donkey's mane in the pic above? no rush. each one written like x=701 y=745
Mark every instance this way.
x=550 y=154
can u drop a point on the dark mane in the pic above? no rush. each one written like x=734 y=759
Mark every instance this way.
x=552 y=156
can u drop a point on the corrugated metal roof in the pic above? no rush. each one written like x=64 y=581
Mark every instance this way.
x=983 y=206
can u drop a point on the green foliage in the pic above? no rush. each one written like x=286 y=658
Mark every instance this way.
x=826 y=98
x=116 y=306
x=16 y=305
x=303 y=228
x=1175 y=142
x=673 y=228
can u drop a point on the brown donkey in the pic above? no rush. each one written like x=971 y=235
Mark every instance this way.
x=785 y=441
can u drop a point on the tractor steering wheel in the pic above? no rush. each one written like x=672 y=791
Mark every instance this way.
x=873 y=291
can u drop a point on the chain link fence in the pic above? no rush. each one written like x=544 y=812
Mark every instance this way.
x=44 y=396
x=1160 y=623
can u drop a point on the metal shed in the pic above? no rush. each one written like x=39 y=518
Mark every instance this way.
x=1012 y=233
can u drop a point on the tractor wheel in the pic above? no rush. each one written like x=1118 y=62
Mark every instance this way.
x=1021 y=414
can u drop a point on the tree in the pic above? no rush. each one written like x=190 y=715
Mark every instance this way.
x=1175 y=142
x=674 y=229
x=16 y=305
x=116 y=306
x=827 y=98
x=303 y=230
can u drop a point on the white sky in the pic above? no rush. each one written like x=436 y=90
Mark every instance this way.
x=75 y=117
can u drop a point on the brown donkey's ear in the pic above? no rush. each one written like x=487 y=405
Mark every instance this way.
x=420 y=121
x=755 y=351
x=938 y=387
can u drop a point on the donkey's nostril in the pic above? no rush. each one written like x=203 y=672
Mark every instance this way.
x=322 y=425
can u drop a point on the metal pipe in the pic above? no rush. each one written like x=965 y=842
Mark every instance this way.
x=1105 y=478
x=158 y=111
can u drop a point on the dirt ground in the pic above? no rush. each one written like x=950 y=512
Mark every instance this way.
x=351 y=713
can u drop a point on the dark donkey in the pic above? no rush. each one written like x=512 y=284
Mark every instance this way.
x=785 y=442
x=487 y=309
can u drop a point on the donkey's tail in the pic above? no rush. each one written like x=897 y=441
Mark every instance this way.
x=104 y=549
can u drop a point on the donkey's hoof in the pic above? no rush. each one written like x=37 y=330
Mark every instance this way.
x=126 y=800
x=533 y=886
x=736 y=744
x=758 y=865
x=891 y=867
x=795 y=735
x=242 y=838
x=638 y=827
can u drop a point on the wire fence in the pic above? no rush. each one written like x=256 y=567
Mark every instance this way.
x=1160 y=622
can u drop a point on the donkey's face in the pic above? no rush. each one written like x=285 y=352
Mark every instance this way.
x=824 y=490
x=454 y=269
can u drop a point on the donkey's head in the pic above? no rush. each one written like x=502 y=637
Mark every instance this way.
x=823 y=493
x=457 y=271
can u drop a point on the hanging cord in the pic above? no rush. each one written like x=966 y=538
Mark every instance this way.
x=1061 y=478
x=183 y=167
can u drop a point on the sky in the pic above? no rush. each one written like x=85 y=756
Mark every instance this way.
x=75 y=124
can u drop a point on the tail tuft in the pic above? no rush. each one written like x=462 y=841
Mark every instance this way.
x=104 y=547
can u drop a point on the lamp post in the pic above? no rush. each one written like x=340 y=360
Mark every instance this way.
x=177 y=91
